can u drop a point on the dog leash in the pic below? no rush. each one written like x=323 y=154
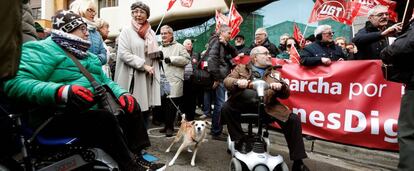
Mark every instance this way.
x=176 y=106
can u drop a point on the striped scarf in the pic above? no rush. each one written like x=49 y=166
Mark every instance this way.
x=73 y=44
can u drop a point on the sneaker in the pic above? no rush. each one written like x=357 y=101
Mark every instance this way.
x=219 y=137
x=149 y=166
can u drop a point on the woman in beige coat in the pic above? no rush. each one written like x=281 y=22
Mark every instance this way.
x=137 y=64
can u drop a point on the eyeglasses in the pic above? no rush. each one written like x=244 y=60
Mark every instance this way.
x=264 y=53
x=91 y=10
x=164 y=33
x=331 y=33
x=382 y=14
x=289 y=45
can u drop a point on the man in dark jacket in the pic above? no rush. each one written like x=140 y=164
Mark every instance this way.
x=400 y=54
x=323 y=50
x=220 y=53
x=239 y=44
x=261 y=39
x=371 y=39
x=244 y=100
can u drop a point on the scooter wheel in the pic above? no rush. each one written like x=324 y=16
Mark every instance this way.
x=260 y=168
x=281 y=167
x=237 y=165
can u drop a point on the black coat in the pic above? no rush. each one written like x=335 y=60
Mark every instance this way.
x=243 y=49
x=401 y=54
x=273 y=50
x=311 y=55
x=219 y=58
x=369 y=42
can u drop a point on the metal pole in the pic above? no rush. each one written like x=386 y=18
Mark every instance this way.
x=304 y=33
x=405 y=11
x=162 y=19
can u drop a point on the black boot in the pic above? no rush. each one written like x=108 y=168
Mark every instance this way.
x=298 y=165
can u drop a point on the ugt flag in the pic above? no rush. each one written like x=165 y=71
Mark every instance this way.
x=366 y=5
x=186 y=3
x=221 y=19
x=338 y=10
x=235 y=21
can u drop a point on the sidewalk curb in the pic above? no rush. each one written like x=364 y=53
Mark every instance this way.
x=324 y=155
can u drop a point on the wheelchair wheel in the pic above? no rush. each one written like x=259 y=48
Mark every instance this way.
x=260 y=168
x=237 y=165
x=281 y=167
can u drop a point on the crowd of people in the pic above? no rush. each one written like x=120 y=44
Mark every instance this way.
x=152 y=78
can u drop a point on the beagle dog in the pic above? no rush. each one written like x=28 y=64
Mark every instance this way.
x=193 y=133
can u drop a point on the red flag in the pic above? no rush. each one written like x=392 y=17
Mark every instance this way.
x=294 y=55
x=235 y=21
x=297 y=34
x=334 y=9
x=186 y=3
x=170 y=4
x=221 y=19
x=369 y=4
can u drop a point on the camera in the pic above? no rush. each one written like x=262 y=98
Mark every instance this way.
x=156 y=55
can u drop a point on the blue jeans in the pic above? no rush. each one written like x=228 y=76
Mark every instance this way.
x=220 y=94
x=207 y=102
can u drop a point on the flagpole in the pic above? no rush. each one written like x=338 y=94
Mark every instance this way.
x=304 y=33
x=405 y=11
x=231 y=7
x=162 y=19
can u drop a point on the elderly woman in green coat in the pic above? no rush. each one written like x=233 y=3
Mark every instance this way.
x=52 y=82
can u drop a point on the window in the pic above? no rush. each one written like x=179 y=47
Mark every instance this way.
x=37 y=13
x=107 y=3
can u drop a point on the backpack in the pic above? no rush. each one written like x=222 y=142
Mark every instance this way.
x=201 y=77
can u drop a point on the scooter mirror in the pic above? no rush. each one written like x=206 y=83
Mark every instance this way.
x=260 y=86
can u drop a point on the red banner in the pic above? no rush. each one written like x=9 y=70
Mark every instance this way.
x=347 y=102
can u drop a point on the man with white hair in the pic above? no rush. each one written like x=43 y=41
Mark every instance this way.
x=243 y=99
x=371 y=39
x=323 y=50
x=262 y=39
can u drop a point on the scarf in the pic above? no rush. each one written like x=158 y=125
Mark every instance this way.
x=145 y=32
x=74 y=44
x=91 y=25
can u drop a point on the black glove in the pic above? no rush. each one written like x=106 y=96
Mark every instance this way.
x=167 y=60
x=75 y=97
